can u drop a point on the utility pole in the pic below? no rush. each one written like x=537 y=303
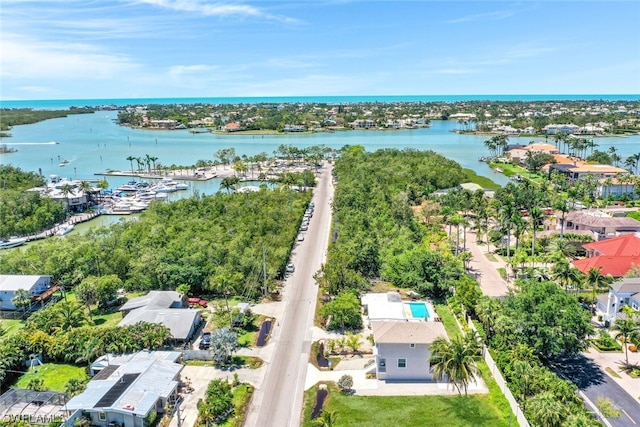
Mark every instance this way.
x=264 y=268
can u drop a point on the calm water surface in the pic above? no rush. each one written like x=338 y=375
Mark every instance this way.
x=93 y=143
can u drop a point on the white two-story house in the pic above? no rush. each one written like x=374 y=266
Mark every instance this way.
x=402 y=349
x=621 y=293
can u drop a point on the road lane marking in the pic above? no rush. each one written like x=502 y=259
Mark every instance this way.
x=625 y=412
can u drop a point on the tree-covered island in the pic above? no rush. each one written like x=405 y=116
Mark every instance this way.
x=510 y=117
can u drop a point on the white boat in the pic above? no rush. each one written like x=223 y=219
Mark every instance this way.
x=64 y=229
x=12 y=242
x=165 y=188
x=64 y=163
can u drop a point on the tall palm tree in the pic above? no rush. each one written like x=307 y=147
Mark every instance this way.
x=131 y=159
x=625 y=328
x=86 y=188
x=488 y=310
x=66 y=190
x=456 y=359
x=147 y=161
x=597 y=280
x=536 y=215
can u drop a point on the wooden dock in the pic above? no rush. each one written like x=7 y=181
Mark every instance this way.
x=75 y=219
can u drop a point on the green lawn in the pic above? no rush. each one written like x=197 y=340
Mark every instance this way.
x=474 y=410
x=409 y=411
x=54 y=375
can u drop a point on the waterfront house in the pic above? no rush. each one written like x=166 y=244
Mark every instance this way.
x=624 y=292
x=130 y=389
x=601 y=224
x=560 y=128
x=232 y=127
x=39 y=287
x=579 y=170
x=518 y=154
x=402 y=349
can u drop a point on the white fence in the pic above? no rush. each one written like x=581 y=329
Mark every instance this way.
x=497 y=376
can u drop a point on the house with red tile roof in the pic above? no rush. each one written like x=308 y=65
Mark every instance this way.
x=613 y=257
x=232 y=127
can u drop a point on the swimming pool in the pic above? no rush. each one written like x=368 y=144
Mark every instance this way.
x=418 y=310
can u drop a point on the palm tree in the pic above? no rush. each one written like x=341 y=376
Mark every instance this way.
x=597 y=280
x=545 y=410
x=562 y=248
x=87 y=190
x=488 y=310
x=70 y=315
x=456 y=359
x=625 y=328
x=66 y=190
x=564 y=273
x=131 y=159
x=22 y=299
x=153 y=159
x=229 y=183
x=536 y=216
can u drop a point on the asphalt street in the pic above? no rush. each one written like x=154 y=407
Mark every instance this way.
x=590 y=379
x=278 y=403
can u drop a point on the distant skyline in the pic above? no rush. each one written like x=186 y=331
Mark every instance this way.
x=78 y=49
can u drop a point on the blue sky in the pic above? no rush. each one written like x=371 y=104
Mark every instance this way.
x=69 y=49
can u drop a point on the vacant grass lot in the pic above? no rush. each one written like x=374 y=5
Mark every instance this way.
x=54 y=375
x=408 y=411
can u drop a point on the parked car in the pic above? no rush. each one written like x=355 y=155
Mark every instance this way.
x=304 y=227
x=290 y=268
x=300 y=237
x=205 y=342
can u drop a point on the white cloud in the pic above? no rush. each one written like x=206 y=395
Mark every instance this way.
x=216 y=9
x=30 y=58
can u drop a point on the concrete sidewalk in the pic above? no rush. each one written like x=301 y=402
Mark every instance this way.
x=364 y=386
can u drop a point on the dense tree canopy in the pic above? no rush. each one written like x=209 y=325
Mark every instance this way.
x=190 y=241
x=375 y=231
x=547 y=319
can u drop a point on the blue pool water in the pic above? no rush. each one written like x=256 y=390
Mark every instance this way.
x=419 y=310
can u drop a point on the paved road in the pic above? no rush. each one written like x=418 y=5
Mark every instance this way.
x=582 y=371
x=594 y=383
x=278 y=402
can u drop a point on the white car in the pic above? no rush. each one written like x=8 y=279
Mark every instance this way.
x=290 y=268
x=300 y=237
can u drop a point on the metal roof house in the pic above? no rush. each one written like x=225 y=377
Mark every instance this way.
x=166 y=308
x=126 y=394
x=10 y=283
